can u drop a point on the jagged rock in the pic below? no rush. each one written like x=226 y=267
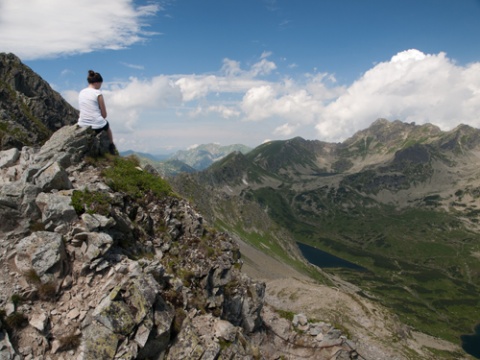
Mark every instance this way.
x=299 y=319
x=39 y=321
x=52 y=177
x=28 y=207
x=71 y=144
x=7 y=352
x=43 y=252
x=189 y=344
x=244 y=311
x=96 y=244
x=9 y=157
x=115 y=314
x=98 y=342
x=128 y=305
x=160 y=334
x=225 y=330
x=97 y=222
x=56 y=209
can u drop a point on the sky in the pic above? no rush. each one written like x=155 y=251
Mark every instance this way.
x=180 y=73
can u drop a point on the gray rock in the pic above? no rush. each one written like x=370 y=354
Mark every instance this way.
x=299 y=319
x=97 y=245
x=9 y=157
x=39 y=321
x=160 y=333
x=28 y=206
x=115 y=314
x=71 y=144
x=128 y=305
x=56 y=210
x=98 y=342
x=43 y=252
x=244 y=308
x=7 y=352
x=52 y=177
x=225 y=330
x=97 y=221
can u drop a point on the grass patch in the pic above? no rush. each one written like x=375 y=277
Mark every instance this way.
x=289 y=315
x=91 y=202
x=125 y=175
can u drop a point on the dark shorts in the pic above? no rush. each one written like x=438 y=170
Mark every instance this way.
x=105 y=128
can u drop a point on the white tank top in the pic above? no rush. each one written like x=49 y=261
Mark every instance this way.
x=90 y=114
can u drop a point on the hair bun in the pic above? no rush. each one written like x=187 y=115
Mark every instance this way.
x=94 y=77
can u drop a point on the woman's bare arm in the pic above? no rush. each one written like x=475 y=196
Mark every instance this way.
x=101 y=105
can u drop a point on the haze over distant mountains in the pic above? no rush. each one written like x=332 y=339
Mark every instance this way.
x=188 y=161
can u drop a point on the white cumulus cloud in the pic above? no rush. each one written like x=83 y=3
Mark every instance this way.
x=411 y=87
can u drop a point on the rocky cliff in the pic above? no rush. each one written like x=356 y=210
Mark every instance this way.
x=30 y=110
x=100 y=260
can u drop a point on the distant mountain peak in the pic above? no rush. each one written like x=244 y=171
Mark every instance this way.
x=202 y=156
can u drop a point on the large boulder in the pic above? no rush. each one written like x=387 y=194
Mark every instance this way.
x=43 y=252
x=56 y=209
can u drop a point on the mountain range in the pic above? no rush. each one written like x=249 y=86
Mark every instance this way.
x=398 y=199
x=187 y=161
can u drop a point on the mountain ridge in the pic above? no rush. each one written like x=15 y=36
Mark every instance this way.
x=389 y=188
x=30 y=110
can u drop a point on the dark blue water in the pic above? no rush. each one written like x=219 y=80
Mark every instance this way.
x=471 y=343
x=323 y=259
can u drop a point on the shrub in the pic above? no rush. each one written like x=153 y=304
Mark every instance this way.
x=180 y=316
x=47 y=291
x=187 y=276
x=15 y=320
x=69 y=342
x=173 y=297
x=37 y=226
x=91 y=202
x=32 y=277
x=16 y=299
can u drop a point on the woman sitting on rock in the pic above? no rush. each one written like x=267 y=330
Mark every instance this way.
x=93 y=112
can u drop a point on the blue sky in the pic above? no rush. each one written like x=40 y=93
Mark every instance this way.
x=179 y=73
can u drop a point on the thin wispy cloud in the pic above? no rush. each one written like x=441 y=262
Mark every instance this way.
x=133 y=66
x=271 y=5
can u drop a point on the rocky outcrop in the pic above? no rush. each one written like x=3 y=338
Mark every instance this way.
x=30 y=110
x=136 y=278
